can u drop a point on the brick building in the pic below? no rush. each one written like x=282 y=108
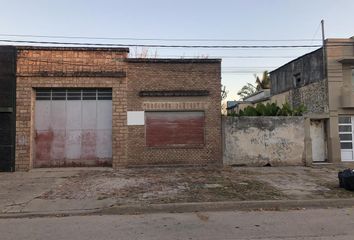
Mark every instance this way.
x=66 y=106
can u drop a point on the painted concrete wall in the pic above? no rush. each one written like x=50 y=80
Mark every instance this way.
x=257 y=141
x=281 y=98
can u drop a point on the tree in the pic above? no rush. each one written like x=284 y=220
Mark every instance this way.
x=142 y=53
x=264 y=82
x=271 y=109
x=224 y=92
x=247 y=90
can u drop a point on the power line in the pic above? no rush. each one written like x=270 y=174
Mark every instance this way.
x=159 y=39
x=158 y=45
x=240 y=71
x=251 y=67
x=314 y=35
x=77 y=64
x=255 y=56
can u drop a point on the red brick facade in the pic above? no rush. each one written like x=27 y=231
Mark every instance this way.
x=39 y=67
x=161 y=75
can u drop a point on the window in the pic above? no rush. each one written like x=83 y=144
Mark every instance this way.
x=74 y=94
x=174 y=129
x=297 y=80
x=344 y=120
x=345 y=132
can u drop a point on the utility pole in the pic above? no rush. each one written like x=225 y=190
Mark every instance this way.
x=323 y=34
x=324 y=50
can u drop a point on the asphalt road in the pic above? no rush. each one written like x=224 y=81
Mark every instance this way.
x=300 y=224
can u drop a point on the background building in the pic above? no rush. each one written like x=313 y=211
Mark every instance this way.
x=323 y=81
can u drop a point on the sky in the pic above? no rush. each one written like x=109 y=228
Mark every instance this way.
x=187 y=19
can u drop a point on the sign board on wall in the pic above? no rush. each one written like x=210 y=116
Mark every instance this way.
x=135 y=118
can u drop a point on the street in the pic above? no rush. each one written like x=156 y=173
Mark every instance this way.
x=295 y=224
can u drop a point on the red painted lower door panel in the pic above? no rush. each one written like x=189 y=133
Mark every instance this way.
x=73 y=128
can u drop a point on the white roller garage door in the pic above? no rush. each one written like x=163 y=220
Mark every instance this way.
x=73 y=127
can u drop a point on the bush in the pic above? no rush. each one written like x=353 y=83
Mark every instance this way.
x=271 y=109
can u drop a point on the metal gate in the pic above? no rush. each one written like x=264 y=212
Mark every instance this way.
x=7 y=107
x=73 y=127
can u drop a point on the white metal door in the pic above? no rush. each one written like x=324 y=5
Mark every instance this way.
x=346 y=137
x=318 y=137
x=73 y=127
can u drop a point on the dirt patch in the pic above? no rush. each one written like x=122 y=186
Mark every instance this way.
x=201 y=184
x=303 y=182
x=164 y=185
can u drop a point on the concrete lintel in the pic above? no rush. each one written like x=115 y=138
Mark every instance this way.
x=346 y=60
x=317 y=116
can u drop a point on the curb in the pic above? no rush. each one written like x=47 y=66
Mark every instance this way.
x=275 y=205
x=269 y=205
x=66 y=213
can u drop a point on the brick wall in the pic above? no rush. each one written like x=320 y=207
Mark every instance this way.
x=161 y=75
x=52 y=61
x=39 y=67
x=68 y=68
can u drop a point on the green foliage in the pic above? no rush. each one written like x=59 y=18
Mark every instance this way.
x=261 y=83
x=272 y=109
x=264 y=82
x=299 y=110
x=247 y=90
x=286 y=110
x=249 y=111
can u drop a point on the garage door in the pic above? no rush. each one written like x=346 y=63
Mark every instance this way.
x=73 y=127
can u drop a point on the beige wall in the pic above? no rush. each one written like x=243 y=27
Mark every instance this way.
x=341 y=97
x=257 y=141
x=280 y=99
x=335 y=91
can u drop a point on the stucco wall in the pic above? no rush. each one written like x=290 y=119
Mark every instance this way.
x=281 y=98
x=257 y=141
x=340 y=94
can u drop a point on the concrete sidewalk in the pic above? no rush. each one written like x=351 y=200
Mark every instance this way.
x=77 y=191
x=20 y=192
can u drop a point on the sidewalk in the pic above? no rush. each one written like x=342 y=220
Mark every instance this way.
x=102 y=190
